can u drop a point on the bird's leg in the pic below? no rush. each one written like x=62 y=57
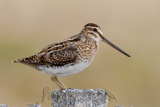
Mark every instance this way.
x=64 y=87
x=60 y=84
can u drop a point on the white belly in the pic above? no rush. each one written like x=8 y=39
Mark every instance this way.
x=64 y=70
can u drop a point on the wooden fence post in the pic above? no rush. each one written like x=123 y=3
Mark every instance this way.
x=79 y=98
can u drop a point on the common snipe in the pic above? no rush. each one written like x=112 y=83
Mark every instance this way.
x=69 y=56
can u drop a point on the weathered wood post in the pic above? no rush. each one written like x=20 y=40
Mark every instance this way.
x=79 y=98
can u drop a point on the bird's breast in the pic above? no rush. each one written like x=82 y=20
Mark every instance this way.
x=86 y=50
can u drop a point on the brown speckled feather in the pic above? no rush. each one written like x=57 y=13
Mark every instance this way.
x=56 y=54
x=59 y=57
x=73 y=49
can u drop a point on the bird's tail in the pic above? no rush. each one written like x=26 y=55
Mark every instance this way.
x=17 y=61
x=28 y=60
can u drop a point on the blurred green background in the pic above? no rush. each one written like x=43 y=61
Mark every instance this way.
x=27 y=26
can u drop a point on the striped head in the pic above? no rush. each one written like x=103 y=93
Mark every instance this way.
x=94 y=31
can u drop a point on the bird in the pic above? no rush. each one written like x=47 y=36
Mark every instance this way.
x=69 y=56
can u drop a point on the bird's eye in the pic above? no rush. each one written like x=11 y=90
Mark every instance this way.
x=95 y=29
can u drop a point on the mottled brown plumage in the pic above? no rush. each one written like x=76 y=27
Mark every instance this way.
x=69 y=56
x=75 y=49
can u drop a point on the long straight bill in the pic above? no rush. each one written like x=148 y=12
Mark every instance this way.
x=114 y=46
